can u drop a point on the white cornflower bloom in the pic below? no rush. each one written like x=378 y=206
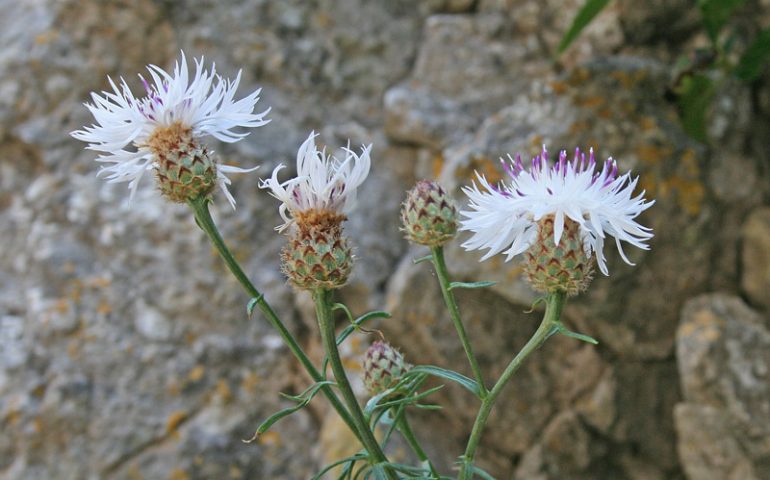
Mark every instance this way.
x=161 y=130
x=505 y=217
x=324 y=188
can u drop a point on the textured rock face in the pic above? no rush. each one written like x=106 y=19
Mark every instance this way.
x=723 y=425
x=124 y=349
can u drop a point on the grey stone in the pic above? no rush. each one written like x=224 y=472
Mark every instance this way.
x=724 y=423
x=755 y=257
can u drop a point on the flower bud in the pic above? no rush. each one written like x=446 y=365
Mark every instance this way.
x=317 y=258
x=429 y=216
x=184 y=168
x=566 y=268
x=383 y=367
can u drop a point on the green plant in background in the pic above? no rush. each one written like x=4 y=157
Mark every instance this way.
x=557 y=214
x=699 y=75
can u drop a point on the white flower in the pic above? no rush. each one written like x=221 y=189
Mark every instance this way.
x=505 y=217
x=323 y=184
x=204 y=104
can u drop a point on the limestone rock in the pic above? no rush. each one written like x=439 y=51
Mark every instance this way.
x=724 y=423
x=755 y=257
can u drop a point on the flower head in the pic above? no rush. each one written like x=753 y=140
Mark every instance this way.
x=508 y=216
x=324 y=189
x=161 y=130
x=429 y=215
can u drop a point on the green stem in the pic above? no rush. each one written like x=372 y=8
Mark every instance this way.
x=206 y=223
x=406 y=431
x=323 y=307
x=454 y=312
x=549 y=325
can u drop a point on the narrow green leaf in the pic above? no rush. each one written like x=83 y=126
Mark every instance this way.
x=584 y=16
x=302 y=399
x=579 y=336
x=482 y=284
x=695 y=95
x=355 y=325
x=458 y=378
x=422 y=259
x=352 y=459
x=716 y=13
x=252 y=304
x=751 y=62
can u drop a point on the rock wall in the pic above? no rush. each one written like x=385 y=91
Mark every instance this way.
x=124 y=348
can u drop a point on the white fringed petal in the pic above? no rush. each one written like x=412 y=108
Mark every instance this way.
x=204 y=103
x=505 y=216
x=323 y=182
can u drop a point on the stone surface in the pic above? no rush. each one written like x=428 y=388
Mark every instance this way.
x=755 y=257
x=723 y=425
x=124 y=349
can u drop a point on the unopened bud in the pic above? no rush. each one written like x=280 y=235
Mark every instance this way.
x=429 y=215
x=384 y=366
x=317 y=258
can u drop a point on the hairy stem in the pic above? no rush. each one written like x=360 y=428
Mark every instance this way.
x=206 y=223
x=454 y=312
x=323 y=307
x=548 y=326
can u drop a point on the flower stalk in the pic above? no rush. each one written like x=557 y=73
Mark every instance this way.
x=437 y=257
x=548 y=326
x=206 y=223
x=411 y=439
x=323 y=307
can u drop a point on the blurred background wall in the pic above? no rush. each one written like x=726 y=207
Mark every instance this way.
x=125 y=351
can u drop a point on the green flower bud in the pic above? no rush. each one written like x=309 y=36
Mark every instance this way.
x=383 y=367
x=564 y=268
x=428 y=215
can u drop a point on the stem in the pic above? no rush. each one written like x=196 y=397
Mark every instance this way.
x=548 y=326
x=406 y=431
x=206 y=223
x=454 y=312
x=326 y=325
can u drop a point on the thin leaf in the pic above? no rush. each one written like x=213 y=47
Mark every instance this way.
x=751 y=62
x=481 y=284
x=695 y=95
x=422 y=259
x=253 y=303
x=302 y=402
x=354 y=325
x=584 y=16
x=716 y=13
x=458 y=378
x=578 y=336
x=352 y=459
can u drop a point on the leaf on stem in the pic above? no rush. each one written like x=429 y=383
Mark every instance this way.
x=253 y=303
x=584 y=16
x=303 y=399
x=354 y=325
x=481 y=284
x=351 y=459
x=426 y=258
x=579 y=336
x=453 y=376
x=751 y=62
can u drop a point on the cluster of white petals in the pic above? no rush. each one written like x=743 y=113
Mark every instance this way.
x=504 y=216
x=204 y=103
x=323 y=182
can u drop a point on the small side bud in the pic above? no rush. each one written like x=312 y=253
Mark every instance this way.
x=383 y=367
x=429 y=215
x=317 y=258
x=184 y=168
x=566 y=268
